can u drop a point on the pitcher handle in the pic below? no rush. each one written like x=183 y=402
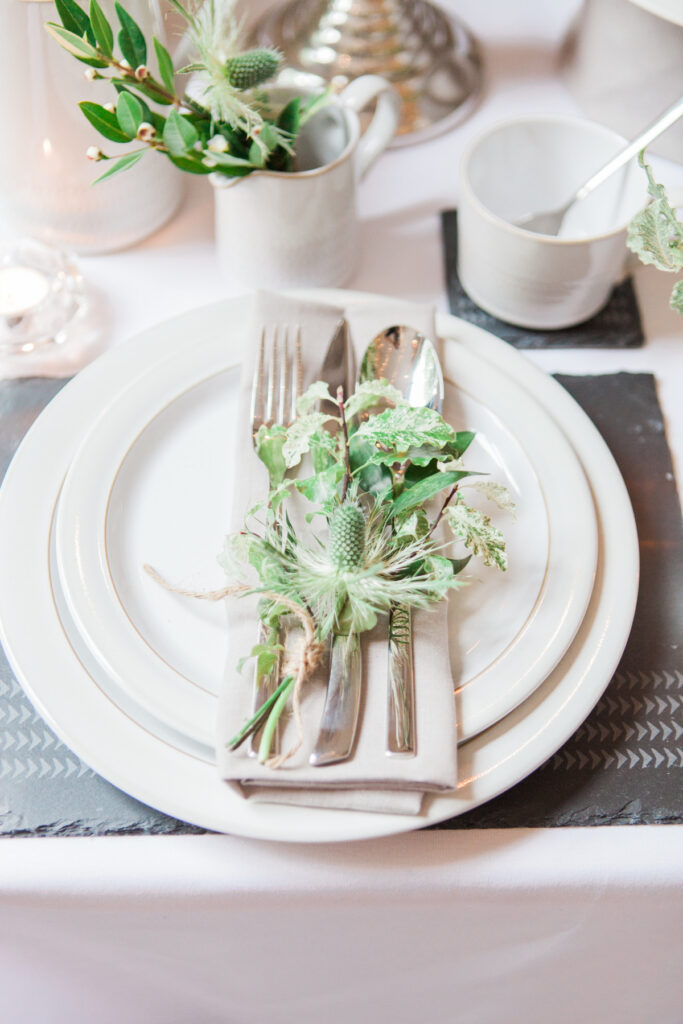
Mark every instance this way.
x=385 y=121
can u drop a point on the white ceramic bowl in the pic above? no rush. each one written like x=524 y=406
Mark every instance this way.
x=527 y=166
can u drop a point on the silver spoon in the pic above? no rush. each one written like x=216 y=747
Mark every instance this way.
x=549 y=222
x=409 y=361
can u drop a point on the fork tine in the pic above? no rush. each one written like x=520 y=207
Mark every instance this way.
x=272 y=372
x=256 y=410
x=282 y=385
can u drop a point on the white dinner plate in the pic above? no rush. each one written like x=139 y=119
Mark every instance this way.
x=152 y=483
x=159 y=774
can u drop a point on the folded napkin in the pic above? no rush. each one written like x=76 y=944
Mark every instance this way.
x=368 y=780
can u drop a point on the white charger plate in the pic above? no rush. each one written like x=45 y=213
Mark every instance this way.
x=154 y=771
x=152 y=481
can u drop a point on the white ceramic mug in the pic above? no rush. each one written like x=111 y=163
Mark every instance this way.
x=528 y=166
x=277 y=229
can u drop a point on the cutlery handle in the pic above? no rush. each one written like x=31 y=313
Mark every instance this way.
x=340 y=715
x=264 y=687
x=400 y=686
x=653 y=131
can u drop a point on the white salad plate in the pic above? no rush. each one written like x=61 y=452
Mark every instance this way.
x=157 y=772
x=152 y=482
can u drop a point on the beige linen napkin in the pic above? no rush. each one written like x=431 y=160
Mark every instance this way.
x=369 y=780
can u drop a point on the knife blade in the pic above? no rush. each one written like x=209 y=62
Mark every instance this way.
x=340 y=716
x=342 y=702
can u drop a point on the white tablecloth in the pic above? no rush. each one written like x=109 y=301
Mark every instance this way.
x=540 y=926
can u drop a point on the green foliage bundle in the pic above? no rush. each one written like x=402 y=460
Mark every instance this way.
x=225 y=126
x=655 y=235
x=374 y=476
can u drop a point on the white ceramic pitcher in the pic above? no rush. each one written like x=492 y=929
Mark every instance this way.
x=288 y=229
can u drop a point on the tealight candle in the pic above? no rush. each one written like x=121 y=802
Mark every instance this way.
x=42 y=297
x=22 y=289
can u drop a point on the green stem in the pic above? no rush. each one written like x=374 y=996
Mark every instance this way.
x=345 y=429
x=451 y=494
x=256 y=720
x=273 y=718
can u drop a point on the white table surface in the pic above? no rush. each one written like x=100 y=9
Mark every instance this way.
x=536 y=926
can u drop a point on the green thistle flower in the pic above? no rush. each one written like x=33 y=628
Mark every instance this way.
x=251 y=68
x=347 y=537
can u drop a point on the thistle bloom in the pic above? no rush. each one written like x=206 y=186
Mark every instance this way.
x=364 y=570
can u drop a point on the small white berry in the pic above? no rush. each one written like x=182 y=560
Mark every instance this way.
x=125 y=65
x=208 y=162
x=218 y=144
x=141 y=72
x=94 y=153
x=91 y=75
x=110 y=107
x=146 y=131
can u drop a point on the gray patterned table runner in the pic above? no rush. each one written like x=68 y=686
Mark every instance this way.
x=621 y=766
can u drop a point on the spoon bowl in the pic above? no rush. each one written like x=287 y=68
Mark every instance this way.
x=408 y=360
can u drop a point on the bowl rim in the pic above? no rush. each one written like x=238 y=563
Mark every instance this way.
x=514 y=229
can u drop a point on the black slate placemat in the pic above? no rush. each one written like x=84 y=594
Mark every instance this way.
x=621 y=766
x=618 y=325
x=44 y=788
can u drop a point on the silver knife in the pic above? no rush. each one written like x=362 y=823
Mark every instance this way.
x=342 y=703
x=340 y=716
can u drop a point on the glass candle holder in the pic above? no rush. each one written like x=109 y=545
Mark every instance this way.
x=42 y=297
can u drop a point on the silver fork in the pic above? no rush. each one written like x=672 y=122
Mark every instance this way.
x=275 y=390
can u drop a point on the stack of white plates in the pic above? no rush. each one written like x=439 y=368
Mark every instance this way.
x=131 y=464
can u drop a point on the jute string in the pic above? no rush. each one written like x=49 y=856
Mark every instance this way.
x=300 y=663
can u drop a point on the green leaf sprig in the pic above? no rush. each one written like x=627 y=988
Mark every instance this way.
x=225 y=126
x=655 y=235
x=387 y=481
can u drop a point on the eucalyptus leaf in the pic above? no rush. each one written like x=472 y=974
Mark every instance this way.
x=425 y=490
x=313 y=105
x=459 y=563
x=322 y=487
x=122 y=164
x=104 y=34
x=373 y=478
x=477 y=533
x=146 y=90
x=257 y=156
x=104 y=121
x=179 y=135
x=269 y=442
x=165 y=63
x=79 y=48
x=74 y=18
x=147 y=113
x=131 y=39
x=266 y=655
x=494 y=492
x=304 y=431
x=226 y=160
x=190 y=165
x=370 y=394
x=407 y=427
x=288 y=119
x=129 y=114
x=319 y=391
